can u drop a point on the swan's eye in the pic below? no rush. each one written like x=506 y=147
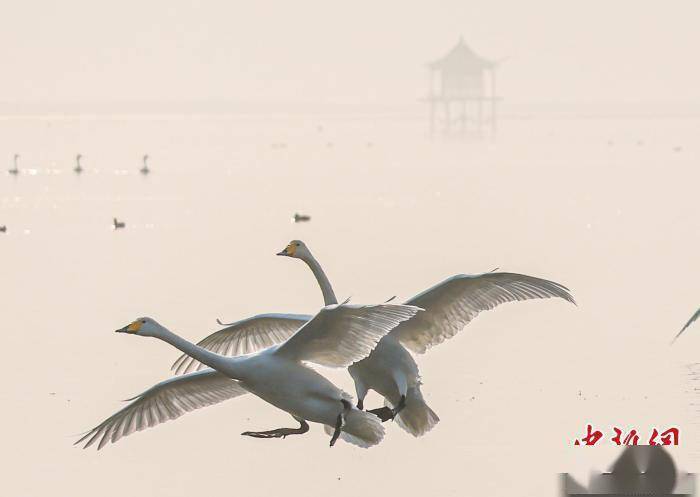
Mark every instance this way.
x=297 y=244
x=143 y=321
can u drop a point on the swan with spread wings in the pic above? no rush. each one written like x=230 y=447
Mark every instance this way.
x=335 y=337
x=390 y=369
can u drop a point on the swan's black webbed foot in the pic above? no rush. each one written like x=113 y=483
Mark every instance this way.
x=340 y=420
x=279 y=432
x=386 y=413
x=383 y=413
x=360 y=405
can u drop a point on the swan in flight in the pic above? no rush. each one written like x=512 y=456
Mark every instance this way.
x=145 y=169
x=690 y=321
x=390 y=370
x=15 y=169
x=449 y=306
x=78 y=168
x=336 y=337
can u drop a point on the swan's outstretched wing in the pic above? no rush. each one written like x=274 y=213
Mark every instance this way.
x=690 y=321
x=245 y=336
x=450 y=305
x=342 y=334
x=167 y=400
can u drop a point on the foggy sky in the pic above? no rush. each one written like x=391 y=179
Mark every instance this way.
x=309 y=51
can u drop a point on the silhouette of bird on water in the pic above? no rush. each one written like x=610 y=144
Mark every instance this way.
x=118 y=224
x=3 y=229
x=15 y=169
x=145 y=169
x=301 y=218
x=78 y=168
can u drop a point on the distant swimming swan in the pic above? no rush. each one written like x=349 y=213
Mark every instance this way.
x=15 y=169
x=78 y=168
x=145 y=169
x=118 y=224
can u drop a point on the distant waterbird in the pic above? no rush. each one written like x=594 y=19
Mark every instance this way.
x=78 y=168
x=3 y=229
x=118 y=224
x=692 y=319
x=301 y=218
x=145 y=169
x=15 y=167
x=677 y=148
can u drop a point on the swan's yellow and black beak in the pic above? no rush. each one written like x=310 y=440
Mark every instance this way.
x=131 y=328
x=289 y=250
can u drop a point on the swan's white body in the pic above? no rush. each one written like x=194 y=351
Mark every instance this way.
x=390 y=371
x=336 y=336
x=288 y=385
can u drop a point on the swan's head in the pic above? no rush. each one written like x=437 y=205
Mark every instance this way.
x=78 y=157
x=296 y=249
x=16 y=156
x=145 y=327
x=145 y=157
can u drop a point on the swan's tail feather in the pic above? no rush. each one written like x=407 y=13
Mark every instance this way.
x=361 y=428
x=416 y=417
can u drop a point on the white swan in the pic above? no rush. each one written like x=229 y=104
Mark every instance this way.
x=390 y=369
x=15 y=169
x=144 y=169
x=337 y=336
x=78 y=168
x=449 y=306
x=690 y=321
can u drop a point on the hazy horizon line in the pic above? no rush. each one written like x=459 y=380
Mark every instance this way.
x=405 y=109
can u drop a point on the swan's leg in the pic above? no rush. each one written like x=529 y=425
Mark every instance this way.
x=340 y=421
x=360 y=386
x=399 y=407
x=279 y=432
x=386 y=413
x=361 y=391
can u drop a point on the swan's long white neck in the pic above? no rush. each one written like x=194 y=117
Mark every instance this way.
x=321 y=278
x=211 y=359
